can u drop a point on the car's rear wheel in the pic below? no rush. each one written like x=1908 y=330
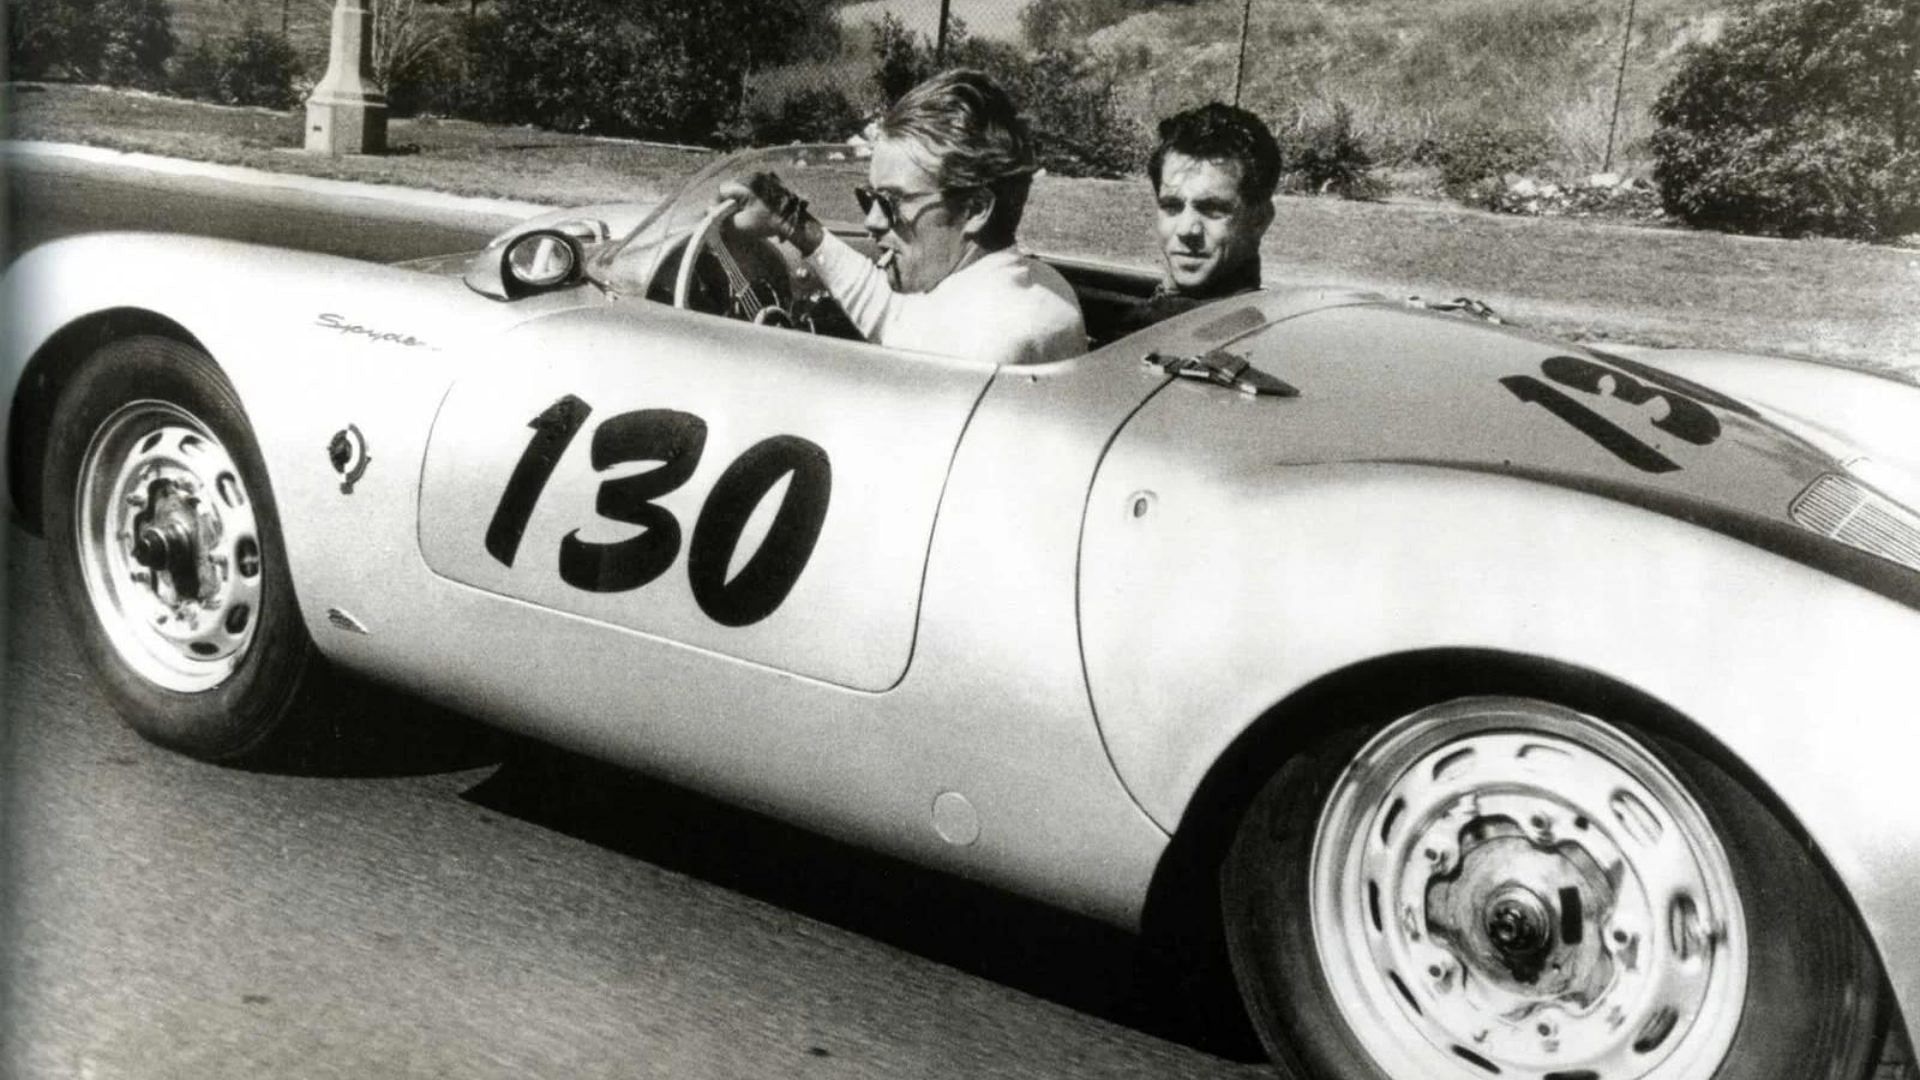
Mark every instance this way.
x=1500 y=887
x=168 y=558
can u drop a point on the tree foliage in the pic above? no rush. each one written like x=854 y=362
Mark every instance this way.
x=118 y=42
x=416 y=46
x=805 y=114
x=1067 y=96
x=1803 y=118
x=649 y=68
x=1476 y=157
x=1328 y=156
x=251 y=66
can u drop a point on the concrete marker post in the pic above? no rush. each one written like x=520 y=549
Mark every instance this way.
x=346 y=114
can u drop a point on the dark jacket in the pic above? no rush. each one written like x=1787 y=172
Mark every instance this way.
x=1167 y=301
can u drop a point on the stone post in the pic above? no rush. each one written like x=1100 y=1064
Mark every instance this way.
x=345 y=113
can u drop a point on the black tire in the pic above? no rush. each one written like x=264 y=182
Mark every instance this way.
x=253 y=706
x=1812 y=1005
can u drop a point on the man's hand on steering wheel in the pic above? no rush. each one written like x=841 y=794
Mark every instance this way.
x=768 y=208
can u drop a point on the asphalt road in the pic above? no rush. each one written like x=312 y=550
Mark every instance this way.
x=476 y=907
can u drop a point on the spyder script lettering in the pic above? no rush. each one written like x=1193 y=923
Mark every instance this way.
x=374 y=337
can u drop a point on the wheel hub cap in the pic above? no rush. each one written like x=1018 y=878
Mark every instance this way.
x=1525 y=895
x=169 y=546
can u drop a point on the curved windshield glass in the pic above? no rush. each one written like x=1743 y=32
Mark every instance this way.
x=824 y=175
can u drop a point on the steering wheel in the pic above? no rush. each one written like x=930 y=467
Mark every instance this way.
x=758 y=292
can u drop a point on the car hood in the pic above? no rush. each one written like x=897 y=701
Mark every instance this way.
x=1381 y=382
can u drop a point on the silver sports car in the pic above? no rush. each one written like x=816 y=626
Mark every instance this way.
x=1508 y=707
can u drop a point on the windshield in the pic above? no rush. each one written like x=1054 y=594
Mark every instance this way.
x=824 y=175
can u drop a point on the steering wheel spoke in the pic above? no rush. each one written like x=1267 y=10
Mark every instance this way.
x=759 y=283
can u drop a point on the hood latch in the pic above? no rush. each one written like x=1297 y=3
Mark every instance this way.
x=1222 y=368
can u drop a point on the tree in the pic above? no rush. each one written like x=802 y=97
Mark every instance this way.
x=1067 y=96
x=251 y=66
x=119 y=42
x=139 y=42
x=53 y=37
x=1803 y=118
x=672 y=69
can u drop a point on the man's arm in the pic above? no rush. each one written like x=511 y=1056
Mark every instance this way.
x=862 y=290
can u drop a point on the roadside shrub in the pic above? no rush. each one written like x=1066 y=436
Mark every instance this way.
x=900 y=59
x=50 y=38
x=671 y=69
x=431 y=85
x=416 y=51
x=1328 y=156
x=1074 y=108
x=139 y=42
x=1474 y=158
x=118 y=42
x=1067 y=96
x=253 y=66
x=1803 y=118
x=803 y=114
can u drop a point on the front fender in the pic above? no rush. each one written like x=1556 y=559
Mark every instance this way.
x=1221 y=600
x=312 y=344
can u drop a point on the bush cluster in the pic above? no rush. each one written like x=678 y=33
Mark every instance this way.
x=1067 y=95
x=649 y=68
x=1329 y=156
x=252 y=66
x=1475 y=158
x=1803 y=118
x=803 y=114
x=117 y=42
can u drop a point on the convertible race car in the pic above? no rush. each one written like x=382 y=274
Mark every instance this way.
x=1508 y=707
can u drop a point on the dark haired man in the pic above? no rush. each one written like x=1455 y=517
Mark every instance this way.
x=946 y=188
x=1214 y=172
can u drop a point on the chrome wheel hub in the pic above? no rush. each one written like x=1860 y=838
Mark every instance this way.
x=1510 y=889
x=169 y=546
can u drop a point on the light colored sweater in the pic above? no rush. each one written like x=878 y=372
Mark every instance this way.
x=1005 y=307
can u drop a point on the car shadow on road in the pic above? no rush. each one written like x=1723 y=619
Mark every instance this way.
x=1068 y=959
x=367 y=730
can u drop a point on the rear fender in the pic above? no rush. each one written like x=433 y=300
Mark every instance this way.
x=1225 y=598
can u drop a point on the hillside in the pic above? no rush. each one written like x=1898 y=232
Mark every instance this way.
x=1413 y=69
x=1409 y=70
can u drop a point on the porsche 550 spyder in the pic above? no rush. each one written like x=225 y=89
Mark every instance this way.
x=1508 y=707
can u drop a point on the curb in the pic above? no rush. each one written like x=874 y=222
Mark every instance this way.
x=416 y=198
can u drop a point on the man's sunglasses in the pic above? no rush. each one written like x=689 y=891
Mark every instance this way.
x=890 y=204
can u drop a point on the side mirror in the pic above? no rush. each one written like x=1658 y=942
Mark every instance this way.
x=535 y=261
x=542 y=260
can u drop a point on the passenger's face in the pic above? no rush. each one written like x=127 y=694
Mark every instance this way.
x=1208 y=230
x=927 y=240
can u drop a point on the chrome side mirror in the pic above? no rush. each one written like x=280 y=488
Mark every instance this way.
x=535 y=261
x=542 y=260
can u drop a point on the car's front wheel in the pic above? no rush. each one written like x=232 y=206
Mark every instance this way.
x=167 y=554
x=1499 y=887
